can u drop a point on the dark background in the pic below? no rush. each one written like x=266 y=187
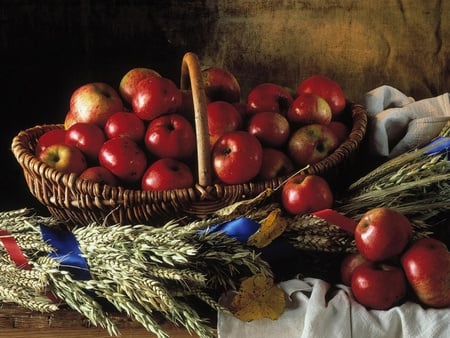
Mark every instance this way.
x=49 y=48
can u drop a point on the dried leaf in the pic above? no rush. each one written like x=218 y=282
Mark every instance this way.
x=258 y=298
x=273 y=226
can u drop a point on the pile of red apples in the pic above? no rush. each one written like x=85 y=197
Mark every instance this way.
x=142 y=136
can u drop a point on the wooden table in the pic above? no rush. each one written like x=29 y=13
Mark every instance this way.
x=17 y=322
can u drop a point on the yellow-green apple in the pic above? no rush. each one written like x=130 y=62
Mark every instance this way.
x=308 y=109
x=340 y=129
x=88 y=137
x=129 y=81
x=303 y=194
x=171 y=136
x=326 y=88
x=222 y=117
x=124 y=158
x=125 y=124
x=271 y=129
x=64 y=157
x=167 y=174
x=93 y=103
x=237 y=157
x=311 y=143
x=221 y=85
x=99 y=174
x=348 y=264
x=268 y=97
x=382 y=233
x=378 y=285
x=426 y=263
x=155 y=96
x=50 y=137
x=275 y=163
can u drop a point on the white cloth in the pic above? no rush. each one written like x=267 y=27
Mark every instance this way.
x=397 y=123
x=318 y=310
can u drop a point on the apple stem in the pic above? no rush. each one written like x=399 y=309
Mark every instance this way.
x=190 y=70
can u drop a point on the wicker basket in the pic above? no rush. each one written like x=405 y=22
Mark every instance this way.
x=77 y=201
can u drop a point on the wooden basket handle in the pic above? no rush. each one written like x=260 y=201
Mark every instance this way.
x=191 y=73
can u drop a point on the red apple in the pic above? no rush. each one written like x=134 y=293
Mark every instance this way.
x=125 y=124
x=222 y=118
x=271 y=129
x=378 y=286
x=308 y=109
x=64 y=157
x=325 y=88
x=155 y=96
x=129 y=81
x=275 y=163
x=166 y=174
x=427 y=267
x=124 y=158
x=99 y=174
x=170 y=136
x=187 y=105
x=93 y=103
x=348 y=265
x=268 y=97
x=303 y=194
x=88 y=137
x=237 y=157
x=50 y=137
x=311 y=143
x=221 y=85
x=382 y=233
x=340 y=129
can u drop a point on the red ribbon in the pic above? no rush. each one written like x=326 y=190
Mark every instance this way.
x=14 y=251
x=336 y=218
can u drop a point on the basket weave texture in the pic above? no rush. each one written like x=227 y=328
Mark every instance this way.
x=80 y=202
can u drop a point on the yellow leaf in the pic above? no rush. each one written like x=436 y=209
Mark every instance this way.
x=258 y=297
x=272 y=227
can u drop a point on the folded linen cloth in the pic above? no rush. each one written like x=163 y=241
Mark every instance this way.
x=398 y=123
x=317 y=309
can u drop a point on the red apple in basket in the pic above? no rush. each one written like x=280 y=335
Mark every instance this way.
x=275 y=163
x=99 y=174
x=124 y=158
x=65 y=158
x=382 y=233
x=237 y=157
x=271 y=129
x=268 y=97
x=311 y=143
x=221 y=85
x=340 y=129
x=170 y=136
x=155 y=96
x=326 y=88
x=93 y=103
x=88 y=137
x=427 y=267
x=166 y=174
x=378 y=286
x=308 y=109
x=348 y=265
x=222 y=118
x=53 y=136
x=125 y=124
x=129 y=81
x=302 y=194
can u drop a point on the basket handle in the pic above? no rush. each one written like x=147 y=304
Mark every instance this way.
x=191 y=73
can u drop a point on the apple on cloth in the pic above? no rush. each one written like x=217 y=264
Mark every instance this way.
x=318 y=309
x=398 y=123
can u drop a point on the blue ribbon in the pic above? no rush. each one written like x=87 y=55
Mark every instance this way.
x=242 y=228
x=439 y=145
x=67 y=251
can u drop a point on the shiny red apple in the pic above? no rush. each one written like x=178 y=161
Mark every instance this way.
x=275 y=163
x=88 y=137
x=308 y=109
x=129 y=81
x=53 y=136
x=222 y=118
x=166 y=174
x=348 y=265
x=268 y=97
x=303 y=194
x=221 y=85
x=125 y=124
x=382 y=233
x=99 y=174
x=271 y=129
